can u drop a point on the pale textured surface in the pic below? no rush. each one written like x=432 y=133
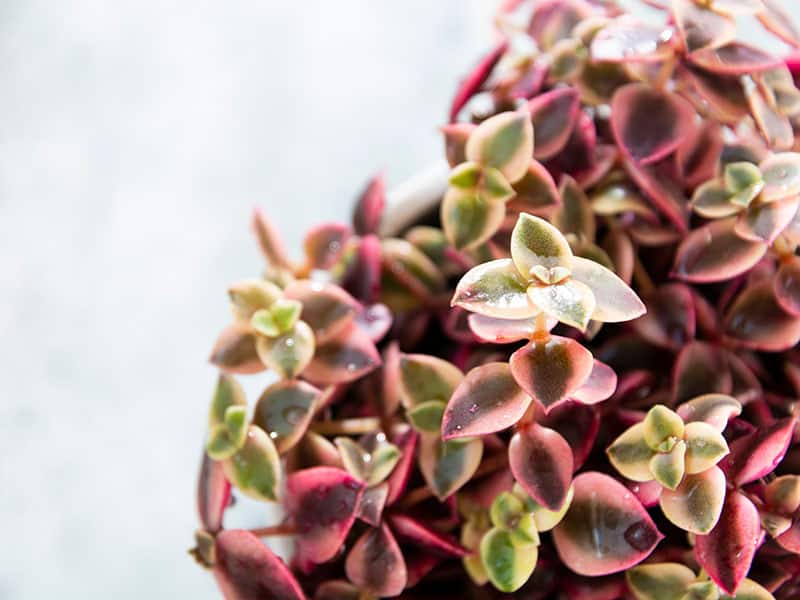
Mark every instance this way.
x=136 y=136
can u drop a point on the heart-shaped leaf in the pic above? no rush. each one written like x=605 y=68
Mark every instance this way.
x=757 y=453
x=727 y=552
x=246 y=569
x=213 y=494
x=659 y=581
x=255 y=469
x=700 y=27
x=537 y=243
x=476 y=78
x=606 y=529
x=426 y=538
x=327 y=308
x=369 y=207
x=373 y=501
x=756 y=320
x=570 y=302
x=630 y=454
x=486 y=401
x=787 y=286
x=424 y=378
x=495 y=289
x=715 y=252
x=550 y=371
x=284 y=411
x=235 y=351
x=541 y=461
x=615 y=301
x=346 y=358
x=649 y=124
x=505 y=142
x=734 y=58
x=470 y=218
x=695 y=505
x=447 y=466
x=700 y=368
x=322 y=502
x=325 y=244
x=375 y=563
x=553 y=114
x=507 y=566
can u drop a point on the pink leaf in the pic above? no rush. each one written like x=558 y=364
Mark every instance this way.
x=373 y=500
x=476 y=78
x=487 y=400
x=670 y=319
x=422 y=536
x=756 y=320
x=578 y=424
x=406 y=441
x=649 y=124
x=790 y=539
x=322 y=501
x=375 y=563
x=600 y=384
x=550 y=371
x=213 y=494
x=325 y=244
x=734 y=59
x=553 y=114
x=700 y=369
x=363 y=277
x=246 y=569
x=787 y=286
x=606 y=529
x=269 y=241
x=727 y=552
x=369 y=208
x=715 y=252
x=541 y=461
x=327 y=308
x=347 y=358
x=754 y=455
x=698 y=155
x=455 y=141
x=235 y=351
x=375 y=320
x=664 y=192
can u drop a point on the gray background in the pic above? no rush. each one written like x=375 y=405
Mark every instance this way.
x=135 y=137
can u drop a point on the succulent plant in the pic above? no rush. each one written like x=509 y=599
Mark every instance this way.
x=576 y=375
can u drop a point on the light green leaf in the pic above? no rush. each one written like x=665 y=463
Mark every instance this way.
x=630 y=454
x=668 y=467
x=424 y=378
x=534 y=242
x=289 y=353
x=705 y=446
x=427 y=416
x=696 y=504
x=256 y=469
x=508 y=567
x=660 y=426
x=570 y=301
x=505 y=142
x=495 y=289
x=469 y=217
x=659 y=581
x=227 y=393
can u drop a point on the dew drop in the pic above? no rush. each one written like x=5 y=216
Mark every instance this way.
x=473 y=409
x=640 y=536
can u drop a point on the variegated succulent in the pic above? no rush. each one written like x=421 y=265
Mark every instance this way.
x=576 y=374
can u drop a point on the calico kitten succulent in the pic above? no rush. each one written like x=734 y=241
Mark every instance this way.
x=574 y=376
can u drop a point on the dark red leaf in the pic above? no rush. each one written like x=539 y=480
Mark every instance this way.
x=578 y=424
x=553 y=114
x=787 y=286
x=541 y=461
x=754 y=455
x=346 y=358
x=421 y=536
x=369 y=208
x=727 y=552
x=375 y=563
x=213 y=494
x=756 y=320
x=700 y=369
x=370 y=508
x=246 y=569
x=670 y=319
x=665 y=194
x=406 y=441
x=476 y=78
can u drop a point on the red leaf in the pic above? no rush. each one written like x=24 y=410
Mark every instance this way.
x=347 y=358
x=324 y=245
x=476 y=78
x=578 y=424
x=213 y=494
x=670 y=319
x=370 y=508
x=649 y=124
x=554 y=114
x=486 y=401
x=322 y=502
x=664 y=192
x=407 y=443
x=606 y=529
x=424 y=537
x=552 y=370
x=375 y=563
x=756 y=320
x=363 y=277
x=715 y=252
x=541 y=461
x=698 y=155
x=327 y=308
x=700 y=369
x=246 y=569
x=727 y=552
x=369 y=208
x=734 y=59
x=754 y=455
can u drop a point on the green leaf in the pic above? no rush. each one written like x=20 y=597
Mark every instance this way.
x=742 y=176
x=227 y=393
x=427 y=416
x=705 y=446
x=284 y=411
x=263 y=322
x=713 y=201
x=255 y=469
x=285 y=313
x=536 y=242
x=543 y=518
x=219 y=444
x=369 y=467
x=508 y=566
x=236 y=424
x=424 y=378
x=660 y=426
x=495 y=289
x=630 y=454
x=695 y=505
x=570 y=302
x=659 y=581
x=251 y=295
x=289 y=353
x=505 y=142
x=447 y=466
x=506 y=510
x=524 y=534
x=668 y=467
x=470 y=217
x=748 y=590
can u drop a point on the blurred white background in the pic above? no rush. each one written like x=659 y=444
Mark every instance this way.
x=135 y=137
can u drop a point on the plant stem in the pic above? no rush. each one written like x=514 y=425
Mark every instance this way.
x=274 y=530
x=642 y=277
x=352 y=426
